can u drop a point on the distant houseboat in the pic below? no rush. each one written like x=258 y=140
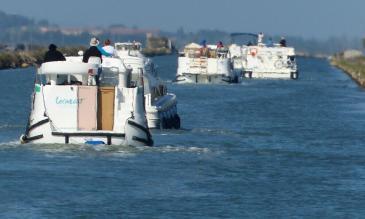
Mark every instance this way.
x=209 y=64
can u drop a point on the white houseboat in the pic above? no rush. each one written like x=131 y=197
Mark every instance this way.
x=69 y=108
x=161 y=106
x=264 y=61
x=198 y=64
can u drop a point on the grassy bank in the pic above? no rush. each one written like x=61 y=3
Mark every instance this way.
x=354 y=67
x=23 y=59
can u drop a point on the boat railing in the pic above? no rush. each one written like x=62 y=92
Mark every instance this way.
x=133 y=53
x=111 y=72
x=205 y=52
x=67 y=72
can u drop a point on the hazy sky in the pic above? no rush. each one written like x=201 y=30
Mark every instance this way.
x=308 y=18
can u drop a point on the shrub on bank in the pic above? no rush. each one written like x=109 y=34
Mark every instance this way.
x=354 y=67
x=8 y=60
x=18 y=59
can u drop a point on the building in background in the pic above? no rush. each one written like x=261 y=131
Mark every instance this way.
x=158 y=45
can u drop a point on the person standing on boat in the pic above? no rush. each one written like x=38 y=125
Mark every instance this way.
x=108 y=48
x=282 y=42
x=220 y=45
x=203 y=43
x=204 y=49
x=93 y=51
x=53 y=54
x=260 y=38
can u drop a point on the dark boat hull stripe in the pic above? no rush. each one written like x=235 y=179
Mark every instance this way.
x=26 y=139
x=96 y=134
x=140 y=127
x=35 y=125
x=148 y=142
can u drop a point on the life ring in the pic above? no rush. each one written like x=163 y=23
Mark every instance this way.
x=253 y=51
x=279 y=64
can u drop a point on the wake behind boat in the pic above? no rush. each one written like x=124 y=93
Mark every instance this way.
x=67 y=107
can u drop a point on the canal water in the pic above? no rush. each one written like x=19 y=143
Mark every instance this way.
x=263 y=148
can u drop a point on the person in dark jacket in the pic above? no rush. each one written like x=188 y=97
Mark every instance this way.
x=92 y=51
x=53 y=54
x=282 y=42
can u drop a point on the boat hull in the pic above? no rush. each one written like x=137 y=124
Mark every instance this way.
x=76 y=138
x=162 y=114
x=265 y=62
x=161 y=107
x=271 y=75
x=58 y=116
x=205 y=70
x=188 y=78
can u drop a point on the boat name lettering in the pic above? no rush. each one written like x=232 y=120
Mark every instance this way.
x=62 y=100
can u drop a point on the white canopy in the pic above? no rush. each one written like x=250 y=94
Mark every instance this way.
x=67 y=67
x=193 y=46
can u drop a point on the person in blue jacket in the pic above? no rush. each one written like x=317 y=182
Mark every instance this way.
x=103 y=52
x=203 y=43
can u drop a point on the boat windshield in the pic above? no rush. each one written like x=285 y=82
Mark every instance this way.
x=206 y=52
x=128 y=47
x=244 y=38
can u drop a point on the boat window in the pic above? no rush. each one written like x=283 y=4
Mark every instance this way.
x=121 y=47
x=137 y=77
x=63 y=79
x=193 y=53
x=109 y=77
x=128 y=47
x=212 y=53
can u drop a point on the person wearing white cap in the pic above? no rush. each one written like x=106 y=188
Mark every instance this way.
x=282 y=42
x=93 y=55
x=93 y=51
